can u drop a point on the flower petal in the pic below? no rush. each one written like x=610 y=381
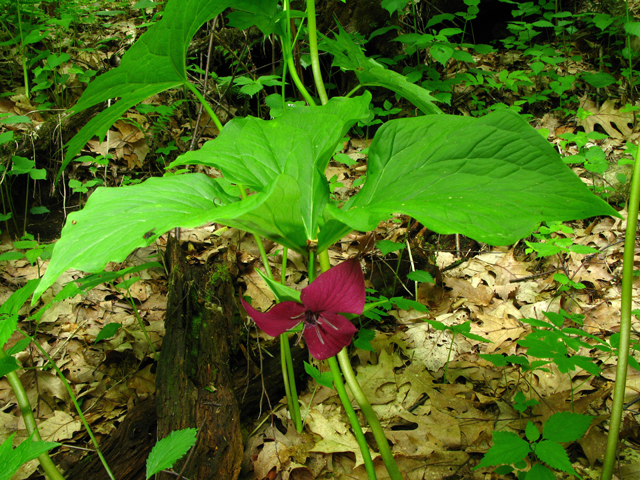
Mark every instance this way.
x=339 y=289
x=280 y=318
x=330 y=334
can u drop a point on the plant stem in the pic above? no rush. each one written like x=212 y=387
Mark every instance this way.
x=207 y=107
x=353 y=418
x=75 y=403
x=47 y=464
x=288 y=55
x=141 y=323
x=283 y=269
x=313 y=51
x=370 y=415
x=625 y=322
x=288 y=376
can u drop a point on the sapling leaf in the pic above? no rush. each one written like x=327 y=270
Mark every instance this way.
x=507 y=448
x=387 y=246
x=554 y=455
x=108 y=331
x=539 y=472
x=532 y=432
x=8 y=364
x=420 y=276
x=325 y=379
x=436 y=168
x=363 y=339
x=169 y=450
x=13 y=458
x=566 y=426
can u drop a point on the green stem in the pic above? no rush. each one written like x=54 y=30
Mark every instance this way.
x=75 y=403
x=625 y=322
x=47 y=464
x=353 y=418
x=141 y=323
x=312 y=267
x=288 y=55
x=283 y=269
x=288 y=376
x=207 y=107
x=370 y=415
x=313 y=51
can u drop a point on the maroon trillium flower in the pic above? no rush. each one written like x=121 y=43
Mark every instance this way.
x=338 y=290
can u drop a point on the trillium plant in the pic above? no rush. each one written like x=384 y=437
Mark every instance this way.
x=492 y=178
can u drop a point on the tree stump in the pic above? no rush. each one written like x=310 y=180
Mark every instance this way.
x=194 y=383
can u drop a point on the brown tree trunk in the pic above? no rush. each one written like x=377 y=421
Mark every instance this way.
x=194 y=383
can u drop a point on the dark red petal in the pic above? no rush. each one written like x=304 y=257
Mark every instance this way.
x=328 y=336
x=279 y=319
x=339 y=289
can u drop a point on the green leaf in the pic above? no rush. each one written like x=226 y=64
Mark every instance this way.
x=8 y=365
x=169 y=450
x=599 y=80
x=387 y=246
x=12 y=459
x=420 y=276
x=435 y=168
x=324 y=379
x=115 y=221
x=555 y=456
x=393 y=5
x=261 y=13
x=566 y=426
x=8 y=325
x=108 y=331
x=532 y=432
x=349 y=56
x=495 y=358
x=253 y=152
x=156 y=62
x=540 y=472
x=363 y=339
x=507 y=448
x=281 y=292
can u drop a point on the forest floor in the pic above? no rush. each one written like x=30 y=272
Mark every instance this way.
x=439 y=389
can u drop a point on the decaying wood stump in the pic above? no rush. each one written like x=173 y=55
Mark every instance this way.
x=194 y=385
x=127 y=449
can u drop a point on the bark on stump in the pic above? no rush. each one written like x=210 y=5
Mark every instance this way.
x=194 y=383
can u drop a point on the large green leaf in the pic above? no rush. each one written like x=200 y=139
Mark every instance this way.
x=115 y=221
x=349 y=56
x=299 y=143
x=156 y=62
x=493 y=179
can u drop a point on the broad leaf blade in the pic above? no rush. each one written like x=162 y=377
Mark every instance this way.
x=153 y=64
x=115 y=221
x=169 y=450
x=493 y=179
x=254 y=152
